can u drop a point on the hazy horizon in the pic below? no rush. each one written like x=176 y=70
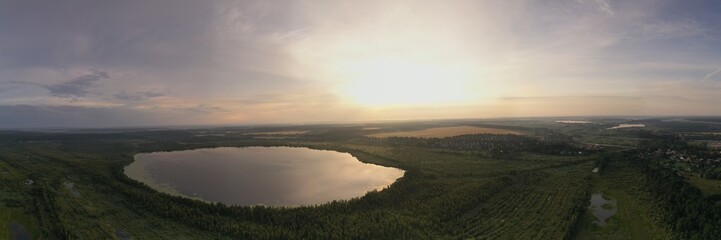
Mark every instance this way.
x=682 y=118
x=82 y=63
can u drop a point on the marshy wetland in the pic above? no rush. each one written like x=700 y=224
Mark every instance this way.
x=603 y=208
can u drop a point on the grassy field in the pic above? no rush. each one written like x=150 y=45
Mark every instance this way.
x=638 y=216
x=278 y=133
x=442 y=132
x=12 y=189
x=707 y=186
x=91 y=209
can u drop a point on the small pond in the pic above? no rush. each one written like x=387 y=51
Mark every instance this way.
x=273 y=176
x=602 y=208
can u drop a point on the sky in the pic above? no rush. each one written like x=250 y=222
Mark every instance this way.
x=90 y=63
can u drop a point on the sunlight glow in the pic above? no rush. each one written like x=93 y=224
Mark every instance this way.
x=385 y=81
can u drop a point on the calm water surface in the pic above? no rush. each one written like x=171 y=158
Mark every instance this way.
x=602 y=208
x=277 y=176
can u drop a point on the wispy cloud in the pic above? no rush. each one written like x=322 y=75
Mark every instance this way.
x=672 y=29
x=710 y=75
x=138 y=96
x=601 y=5
x=604 y=6
x=77 y=87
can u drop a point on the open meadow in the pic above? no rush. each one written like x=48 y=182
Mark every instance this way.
x=441 y=132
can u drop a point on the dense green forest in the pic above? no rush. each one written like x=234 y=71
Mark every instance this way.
x=534 y=186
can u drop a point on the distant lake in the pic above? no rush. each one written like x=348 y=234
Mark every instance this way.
x=624 y=125
x=574 y=121
x=274 y=176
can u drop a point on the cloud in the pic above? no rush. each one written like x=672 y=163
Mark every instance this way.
x=77 y=87
x=710 y=75
x=672 y=29
x=604 y=7
x=39 y=116
x=138 y=96
x=13 y=85
x=292 y=60
x=56 y=101
x=30 y=116
x=203 y=109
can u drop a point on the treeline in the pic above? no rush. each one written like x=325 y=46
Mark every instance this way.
x=46 y=210
x=494 y=144
x=686 y=210
x=580 y=204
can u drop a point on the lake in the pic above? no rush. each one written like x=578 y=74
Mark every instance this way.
x=273 y=176
x=624 y=125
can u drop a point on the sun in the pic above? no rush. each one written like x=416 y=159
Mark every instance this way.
x=391 y=81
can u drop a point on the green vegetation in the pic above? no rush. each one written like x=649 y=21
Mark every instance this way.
x=638 y=215
x=535 y=186
x=707 y=186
